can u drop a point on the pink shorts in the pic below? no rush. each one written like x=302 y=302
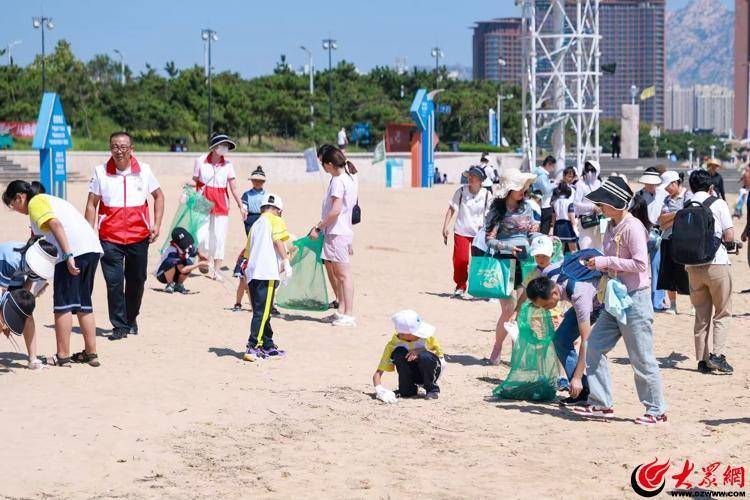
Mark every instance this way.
x=337 y=248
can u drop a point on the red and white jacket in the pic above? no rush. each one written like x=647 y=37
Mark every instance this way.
x=123 y=209
x=213 y=181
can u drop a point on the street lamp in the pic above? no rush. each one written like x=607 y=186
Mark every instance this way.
x=437 y=54
x=329 y=44
x=122 y=66
x=40 y=23
x=713 y=151
x=501 y=64
x=9 y=48
x=208 y=35
x=633 y=93
x=690 y=154
x=312 y=85
x=499 y=116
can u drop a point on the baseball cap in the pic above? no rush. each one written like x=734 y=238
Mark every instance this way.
x=669 y=177
x=17 y=306
x=272 y=200
x=542 y=245
x=408 y=321
x=182 y=238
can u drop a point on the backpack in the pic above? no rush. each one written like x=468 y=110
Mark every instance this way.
x=693 y=239
x=573 y=269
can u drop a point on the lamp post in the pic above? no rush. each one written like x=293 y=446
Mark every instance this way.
x=312 y=85
x=690 y=156
x=41 y=23
x=633 y=93
x=122 y=66
x=437 y=54
x=500 y=98
x=208 y=35
x=329 y=44
x=9 y=48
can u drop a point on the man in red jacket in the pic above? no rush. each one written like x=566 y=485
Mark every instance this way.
x=118 y=207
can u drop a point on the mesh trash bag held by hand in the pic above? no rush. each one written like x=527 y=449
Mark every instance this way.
x=533 y=364
x=192 y=213
x=306 y=290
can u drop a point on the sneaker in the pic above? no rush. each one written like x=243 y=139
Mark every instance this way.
x=343 y=320
x=649 y=419
x=432 y=395
x=331 y=317
x=459 y=293
x=563 y=384
x=571 y=401
x=672 y=311
x=237 y=308
x=37 y=364
x=252 y=354
x=133 y=329
x=334 y=305
x=719 y=363
x=169 y=288
x=273 y=352
x=594 y=411
x=119 y=333
x=704 y=368
x=275 y=312
x=180 y=288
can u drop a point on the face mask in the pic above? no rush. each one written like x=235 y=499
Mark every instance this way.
x=591 y=176
x=222 y=150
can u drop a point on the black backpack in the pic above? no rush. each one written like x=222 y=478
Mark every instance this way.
x=693 y=241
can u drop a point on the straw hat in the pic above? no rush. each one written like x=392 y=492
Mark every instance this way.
x=513 y=179
x=713 y=161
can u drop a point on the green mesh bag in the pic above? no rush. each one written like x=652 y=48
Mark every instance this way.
x=306 y=290
x=533 y=364
x=192 y=213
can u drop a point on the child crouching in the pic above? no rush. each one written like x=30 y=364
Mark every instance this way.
x=415 y=354
x=176 y=262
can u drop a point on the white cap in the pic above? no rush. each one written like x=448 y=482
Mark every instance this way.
x=408 y=321
x=273 y=200
x=669 y=177
x=542 y=245
x=40 y=262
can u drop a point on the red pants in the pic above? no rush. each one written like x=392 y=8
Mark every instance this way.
x=461 y=255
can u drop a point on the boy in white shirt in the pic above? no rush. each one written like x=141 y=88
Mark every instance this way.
x=267 y=263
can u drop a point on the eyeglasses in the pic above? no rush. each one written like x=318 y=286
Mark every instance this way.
x=121 y=148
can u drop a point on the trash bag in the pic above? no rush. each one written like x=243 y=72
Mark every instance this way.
x=533 y=365
x=491 y=278
x=192 y=213
x=306 y=290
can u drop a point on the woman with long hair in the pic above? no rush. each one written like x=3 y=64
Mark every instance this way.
x=511 y=223
x=338 y=234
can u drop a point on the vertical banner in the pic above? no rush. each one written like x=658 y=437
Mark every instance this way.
x=492 y=127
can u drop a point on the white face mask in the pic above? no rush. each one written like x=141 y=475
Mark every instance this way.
x=590 y=176
x=222 y=150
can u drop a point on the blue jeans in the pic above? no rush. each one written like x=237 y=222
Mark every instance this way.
x=657 y=296
x=565 y=335
x=638 y=335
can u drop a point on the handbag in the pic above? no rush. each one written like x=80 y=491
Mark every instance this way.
x=491 y=278
x=589 y=221
x=356 y=213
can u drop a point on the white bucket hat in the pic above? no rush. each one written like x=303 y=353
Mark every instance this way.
x=408 y=321
x=39 y=261
x=669 y=177
x=513 y=179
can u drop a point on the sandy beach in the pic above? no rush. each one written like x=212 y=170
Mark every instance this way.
x=176 y=413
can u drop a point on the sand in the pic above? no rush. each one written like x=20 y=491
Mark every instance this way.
x=176 y=413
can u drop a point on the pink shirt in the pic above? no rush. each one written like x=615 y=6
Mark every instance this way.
x=629 y=263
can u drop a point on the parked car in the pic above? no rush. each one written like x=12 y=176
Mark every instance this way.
x=179 y=145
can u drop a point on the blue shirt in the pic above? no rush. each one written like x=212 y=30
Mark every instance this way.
x=543 y=184
x=10 y=262
x=252 y=199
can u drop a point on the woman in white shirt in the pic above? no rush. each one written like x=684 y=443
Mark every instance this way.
x=589 y=235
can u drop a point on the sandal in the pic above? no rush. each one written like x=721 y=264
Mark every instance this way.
x=56 y=360
x=84 y=357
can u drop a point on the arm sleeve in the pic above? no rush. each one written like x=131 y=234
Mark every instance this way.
x=456 y=199
x=230 y=172
x=337 y=188
x=725 y=217
x=278 y=230
x=151 y=183
x=40 y=211
x=434 y=347
x=244 y=200
x=6 y=274
x=721 y=188
x=95 y=186
x=197 y=168
x=637 y=241
x=386 y=365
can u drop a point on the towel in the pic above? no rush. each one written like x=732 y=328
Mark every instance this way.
x=617 y=300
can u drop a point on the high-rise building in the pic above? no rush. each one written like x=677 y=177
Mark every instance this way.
x=494 y=40
x=705 y=107
x=741 y=66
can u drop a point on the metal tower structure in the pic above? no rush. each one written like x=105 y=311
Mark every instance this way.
x=561 y=82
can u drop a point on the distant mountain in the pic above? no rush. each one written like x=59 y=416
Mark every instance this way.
x=700 y=41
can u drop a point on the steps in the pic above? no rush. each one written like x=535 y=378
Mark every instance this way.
x=10 y=171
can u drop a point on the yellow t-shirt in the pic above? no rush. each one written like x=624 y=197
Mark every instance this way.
x=431 y=344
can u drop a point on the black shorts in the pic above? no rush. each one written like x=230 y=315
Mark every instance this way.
x=73 y=293
x=518 y=276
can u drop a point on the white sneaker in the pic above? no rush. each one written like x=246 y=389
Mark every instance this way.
x=331 y=317
x=459 y=293
x=344 y=320
x=36 y=364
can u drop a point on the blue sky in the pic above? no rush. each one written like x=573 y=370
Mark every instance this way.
x=254 y=33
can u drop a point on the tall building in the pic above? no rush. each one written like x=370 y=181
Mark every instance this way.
x=494 y=40
x=741 y=66
x=705 y=107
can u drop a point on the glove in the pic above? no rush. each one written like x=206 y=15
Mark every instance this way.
x=511 y=327
x=383 y=394
x=286 y=271
x=443 y=365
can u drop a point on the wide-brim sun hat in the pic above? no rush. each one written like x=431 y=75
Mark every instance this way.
x=513 y=179
x=40 y=262
x=669 y=177
x=476 y=171
x=409 y=321
x=613 y=192
x=713 y=161
x=13 y=314
x=258 y=174
x=651 y=177
x=218 y=139
x=272 y=200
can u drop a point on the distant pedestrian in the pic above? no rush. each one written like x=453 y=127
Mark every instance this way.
x=615 y=144
x=544 y=185
x=654 y=195
x=341 y=140
x=713 y=165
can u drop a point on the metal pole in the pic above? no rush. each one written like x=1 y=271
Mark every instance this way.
x=44 y=67
x=747 y=127
x=122 y=71
x=210 y=116
x=437 y=69
x=312 y=93
x=330 y=83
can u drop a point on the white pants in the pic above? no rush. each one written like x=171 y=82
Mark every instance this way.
x=212 y=236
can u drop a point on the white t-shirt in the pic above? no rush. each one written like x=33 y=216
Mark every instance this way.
x=471 y=208
x=82 y=238
x=262 y=260
x=722 y=222
x=562 y=207
x=342 y=186
x=341 y=138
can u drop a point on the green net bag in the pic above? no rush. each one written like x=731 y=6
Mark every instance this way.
x=192 y=213
x=306 y=290
x=533 y=364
